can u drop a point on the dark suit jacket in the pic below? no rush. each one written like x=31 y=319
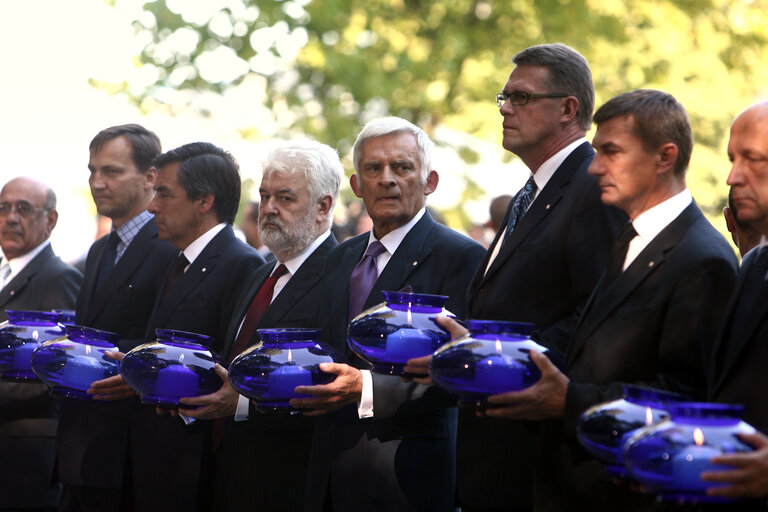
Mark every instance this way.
x=283 y=442
x=172 y=463
x=28 y=414
x=404 y=457
x=92 y=446
x=543 y=274
x=654 y=325
x=737 y=369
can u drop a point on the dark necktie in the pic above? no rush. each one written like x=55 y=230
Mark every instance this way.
x=256 y=310
x=363 y=277
x=520 y=206
x=108 y=257
x=177 y=270
x=754 y=282
x=619 y=253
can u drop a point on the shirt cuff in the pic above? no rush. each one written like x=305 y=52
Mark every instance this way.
x=365 y=407
x=241 y=414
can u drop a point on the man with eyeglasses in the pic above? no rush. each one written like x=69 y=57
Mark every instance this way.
x=32 y=277
x=545 y=259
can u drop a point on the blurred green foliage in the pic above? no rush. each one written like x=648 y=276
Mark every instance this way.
x=331 y=65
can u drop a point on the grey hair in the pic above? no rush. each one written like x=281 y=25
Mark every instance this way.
x=569 y=73
x=392 y=125
x=319 y=163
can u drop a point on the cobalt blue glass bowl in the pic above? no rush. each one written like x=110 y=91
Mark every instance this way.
x=269 y=371
x=402 y=328
x=176 y=365
x=493 y=357
x=69 y=364
x=604 y=428
x=66 y=316
x=20 y=335
x=668 y=457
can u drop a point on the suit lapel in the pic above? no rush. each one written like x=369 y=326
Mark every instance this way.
x=17 y=284
x=542 y=206
x=134 y=255
x=738 y=337
x=410 y=255
x=604 y=301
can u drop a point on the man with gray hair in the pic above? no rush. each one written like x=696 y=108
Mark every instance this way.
x=299 y=189
x=389 y=445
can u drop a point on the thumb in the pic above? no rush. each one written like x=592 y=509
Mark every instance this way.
x=542 y=362
x=221 y=372
x=334 y=368
x=453 y=327
x=113 y=354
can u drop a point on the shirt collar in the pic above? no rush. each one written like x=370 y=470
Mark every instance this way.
x=130 y=229
x=194 y=249
x=294 y=263
x=391 y=241
x=650 y=223
x=548 y=168
x=17 y=264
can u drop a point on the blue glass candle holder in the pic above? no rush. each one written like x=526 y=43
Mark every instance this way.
x=493 y=357
x=269 y=371
x=669 y=457
x=604 y=428
x=402 y=328
x=68 y=365
x=66 y=316
x=20 y=335
x=176 y=365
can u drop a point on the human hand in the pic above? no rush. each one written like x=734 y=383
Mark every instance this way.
x=418 y=370
x=345 y=389
x=749 y=476
x=221 y=404
x=111 y=388
x=543 y=400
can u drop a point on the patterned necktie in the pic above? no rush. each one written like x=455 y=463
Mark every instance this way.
x=177 y=270
x=108 y=258
x=520 y=206
x=256 y=310
x=5 y=271
x=619 y=252
x=363 y=277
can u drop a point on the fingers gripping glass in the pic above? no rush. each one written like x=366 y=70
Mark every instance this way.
x=519 y=98
x=23 y=208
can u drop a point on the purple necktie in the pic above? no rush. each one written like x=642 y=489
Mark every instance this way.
x=363 y=277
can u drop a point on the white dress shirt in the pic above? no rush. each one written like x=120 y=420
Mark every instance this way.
x=17 y=264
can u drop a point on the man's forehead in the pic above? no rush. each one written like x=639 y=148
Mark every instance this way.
x=527 y=75
x=23 y=190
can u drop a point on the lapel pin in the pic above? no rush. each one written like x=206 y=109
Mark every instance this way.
x=415 y=263
x=548 y=205
x=204 y=269
x=650 y=264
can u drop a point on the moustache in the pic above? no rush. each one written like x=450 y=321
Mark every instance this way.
x=271 y=219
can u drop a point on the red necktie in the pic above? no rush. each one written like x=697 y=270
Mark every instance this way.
x=257 y=308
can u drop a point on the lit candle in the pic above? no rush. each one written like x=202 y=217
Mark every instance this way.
x=282 y=381
x=176 y=381
x=405 y=344
x=80 y=371
x=689 y=463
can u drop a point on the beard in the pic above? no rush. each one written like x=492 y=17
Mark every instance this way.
x=287 y=240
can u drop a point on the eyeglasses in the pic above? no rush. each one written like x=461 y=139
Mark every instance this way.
x=519 y=98
x=23 y=208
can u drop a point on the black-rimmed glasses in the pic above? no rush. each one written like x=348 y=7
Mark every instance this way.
x=519 y=98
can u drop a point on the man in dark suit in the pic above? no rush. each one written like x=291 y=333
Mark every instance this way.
x=299 y=187
x=737 y=370
x=546 y=258
x=33 y=278
x=197 y=193
x=122 y=275
x=651 y=317
x=390 y=445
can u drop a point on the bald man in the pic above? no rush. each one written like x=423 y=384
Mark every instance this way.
x=32 y=277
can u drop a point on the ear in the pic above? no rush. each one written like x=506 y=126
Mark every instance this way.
x=730 y=222
x=432 y=179
x=570 y=108
x=150 y=177
x=667 y=157
x=355 y=185
x=324 y=205
x=53 y=217
x=206 y=202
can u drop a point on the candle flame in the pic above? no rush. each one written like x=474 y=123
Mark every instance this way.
x=698 y=437
x=290 y=359
x=87 y=350
x=498 y=346
x=648 y=416
x=35 y=335
x=410 y=319
x=181 y=358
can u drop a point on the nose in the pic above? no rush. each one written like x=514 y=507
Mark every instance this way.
x=387 y=176
x=152 y=208
x=736 y=176
x=506 y=108
x=95 y=181
x=596 y=167
x=268 y=207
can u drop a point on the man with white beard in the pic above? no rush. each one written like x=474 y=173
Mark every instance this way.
x=299 y=188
